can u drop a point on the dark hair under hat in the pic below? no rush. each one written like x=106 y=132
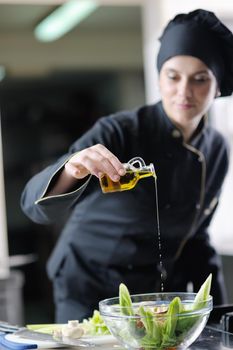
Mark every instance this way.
x=200 y=34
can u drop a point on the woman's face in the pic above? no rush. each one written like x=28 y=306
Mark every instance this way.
x=188 y=88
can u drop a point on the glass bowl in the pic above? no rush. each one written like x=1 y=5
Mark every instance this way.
x=153 y=325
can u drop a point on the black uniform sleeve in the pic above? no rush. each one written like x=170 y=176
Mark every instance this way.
x=45 y=210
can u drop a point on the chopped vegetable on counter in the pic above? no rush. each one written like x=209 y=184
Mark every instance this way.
x=95 y=325
x=92 y=326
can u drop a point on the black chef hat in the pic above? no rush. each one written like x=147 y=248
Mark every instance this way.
x=200 y=34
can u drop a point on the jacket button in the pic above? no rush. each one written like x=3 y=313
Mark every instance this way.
x=176 y=133
x=130 y=267
x=198 y=206
x=207 y=211
x=168 y=206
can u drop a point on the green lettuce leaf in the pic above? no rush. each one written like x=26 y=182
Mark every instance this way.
x=186 y=322
x=169 y=336
x=153 y=327
x=135 y=326
x=125 y=300
x=200 y=300
x=95 y=325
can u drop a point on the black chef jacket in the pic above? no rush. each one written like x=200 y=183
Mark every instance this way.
x=112 y=238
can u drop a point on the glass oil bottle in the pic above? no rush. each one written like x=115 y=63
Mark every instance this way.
x=130 y=179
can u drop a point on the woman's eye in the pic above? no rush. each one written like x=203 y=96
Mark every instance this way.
x=200 y=79
x=172 y=76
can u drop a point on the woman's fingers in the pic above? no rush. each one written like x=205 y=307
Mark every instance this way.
x=96 y=160
x=110 y=163
x=76 y=171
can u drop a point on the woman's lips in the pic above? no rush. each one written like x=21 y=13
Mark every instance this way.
x=184 y=105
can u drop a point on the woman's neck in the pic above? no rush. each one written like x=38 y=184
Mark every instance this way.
x=187 y=128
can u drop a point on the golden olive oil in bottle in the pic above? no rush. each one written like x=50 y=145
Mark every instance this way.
x=126 y=182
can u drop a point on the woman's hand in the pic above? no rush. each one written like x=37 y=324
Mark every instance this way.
x=96 y=160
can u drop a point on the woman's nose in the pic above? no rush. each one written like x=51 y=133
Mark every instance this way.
x=185 y=89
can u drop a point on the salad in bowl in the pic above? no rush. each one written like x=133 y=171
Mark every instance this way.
x=160 y=321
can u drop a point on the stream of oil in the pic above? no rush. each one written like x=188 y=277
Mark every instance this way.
x=127 y=182
x=159 y=237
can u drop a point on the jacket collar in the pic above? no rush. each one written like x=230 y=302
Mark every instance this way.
x=176 y=133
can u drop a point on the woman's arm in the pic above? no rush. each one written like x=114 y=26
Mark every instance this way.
x=56 y=189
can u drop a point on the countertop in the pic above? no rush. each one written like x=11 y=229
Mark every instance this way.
x=211 y=338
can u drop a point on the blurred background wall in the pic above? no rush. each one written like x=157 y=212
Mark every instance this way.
x=52 y=92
